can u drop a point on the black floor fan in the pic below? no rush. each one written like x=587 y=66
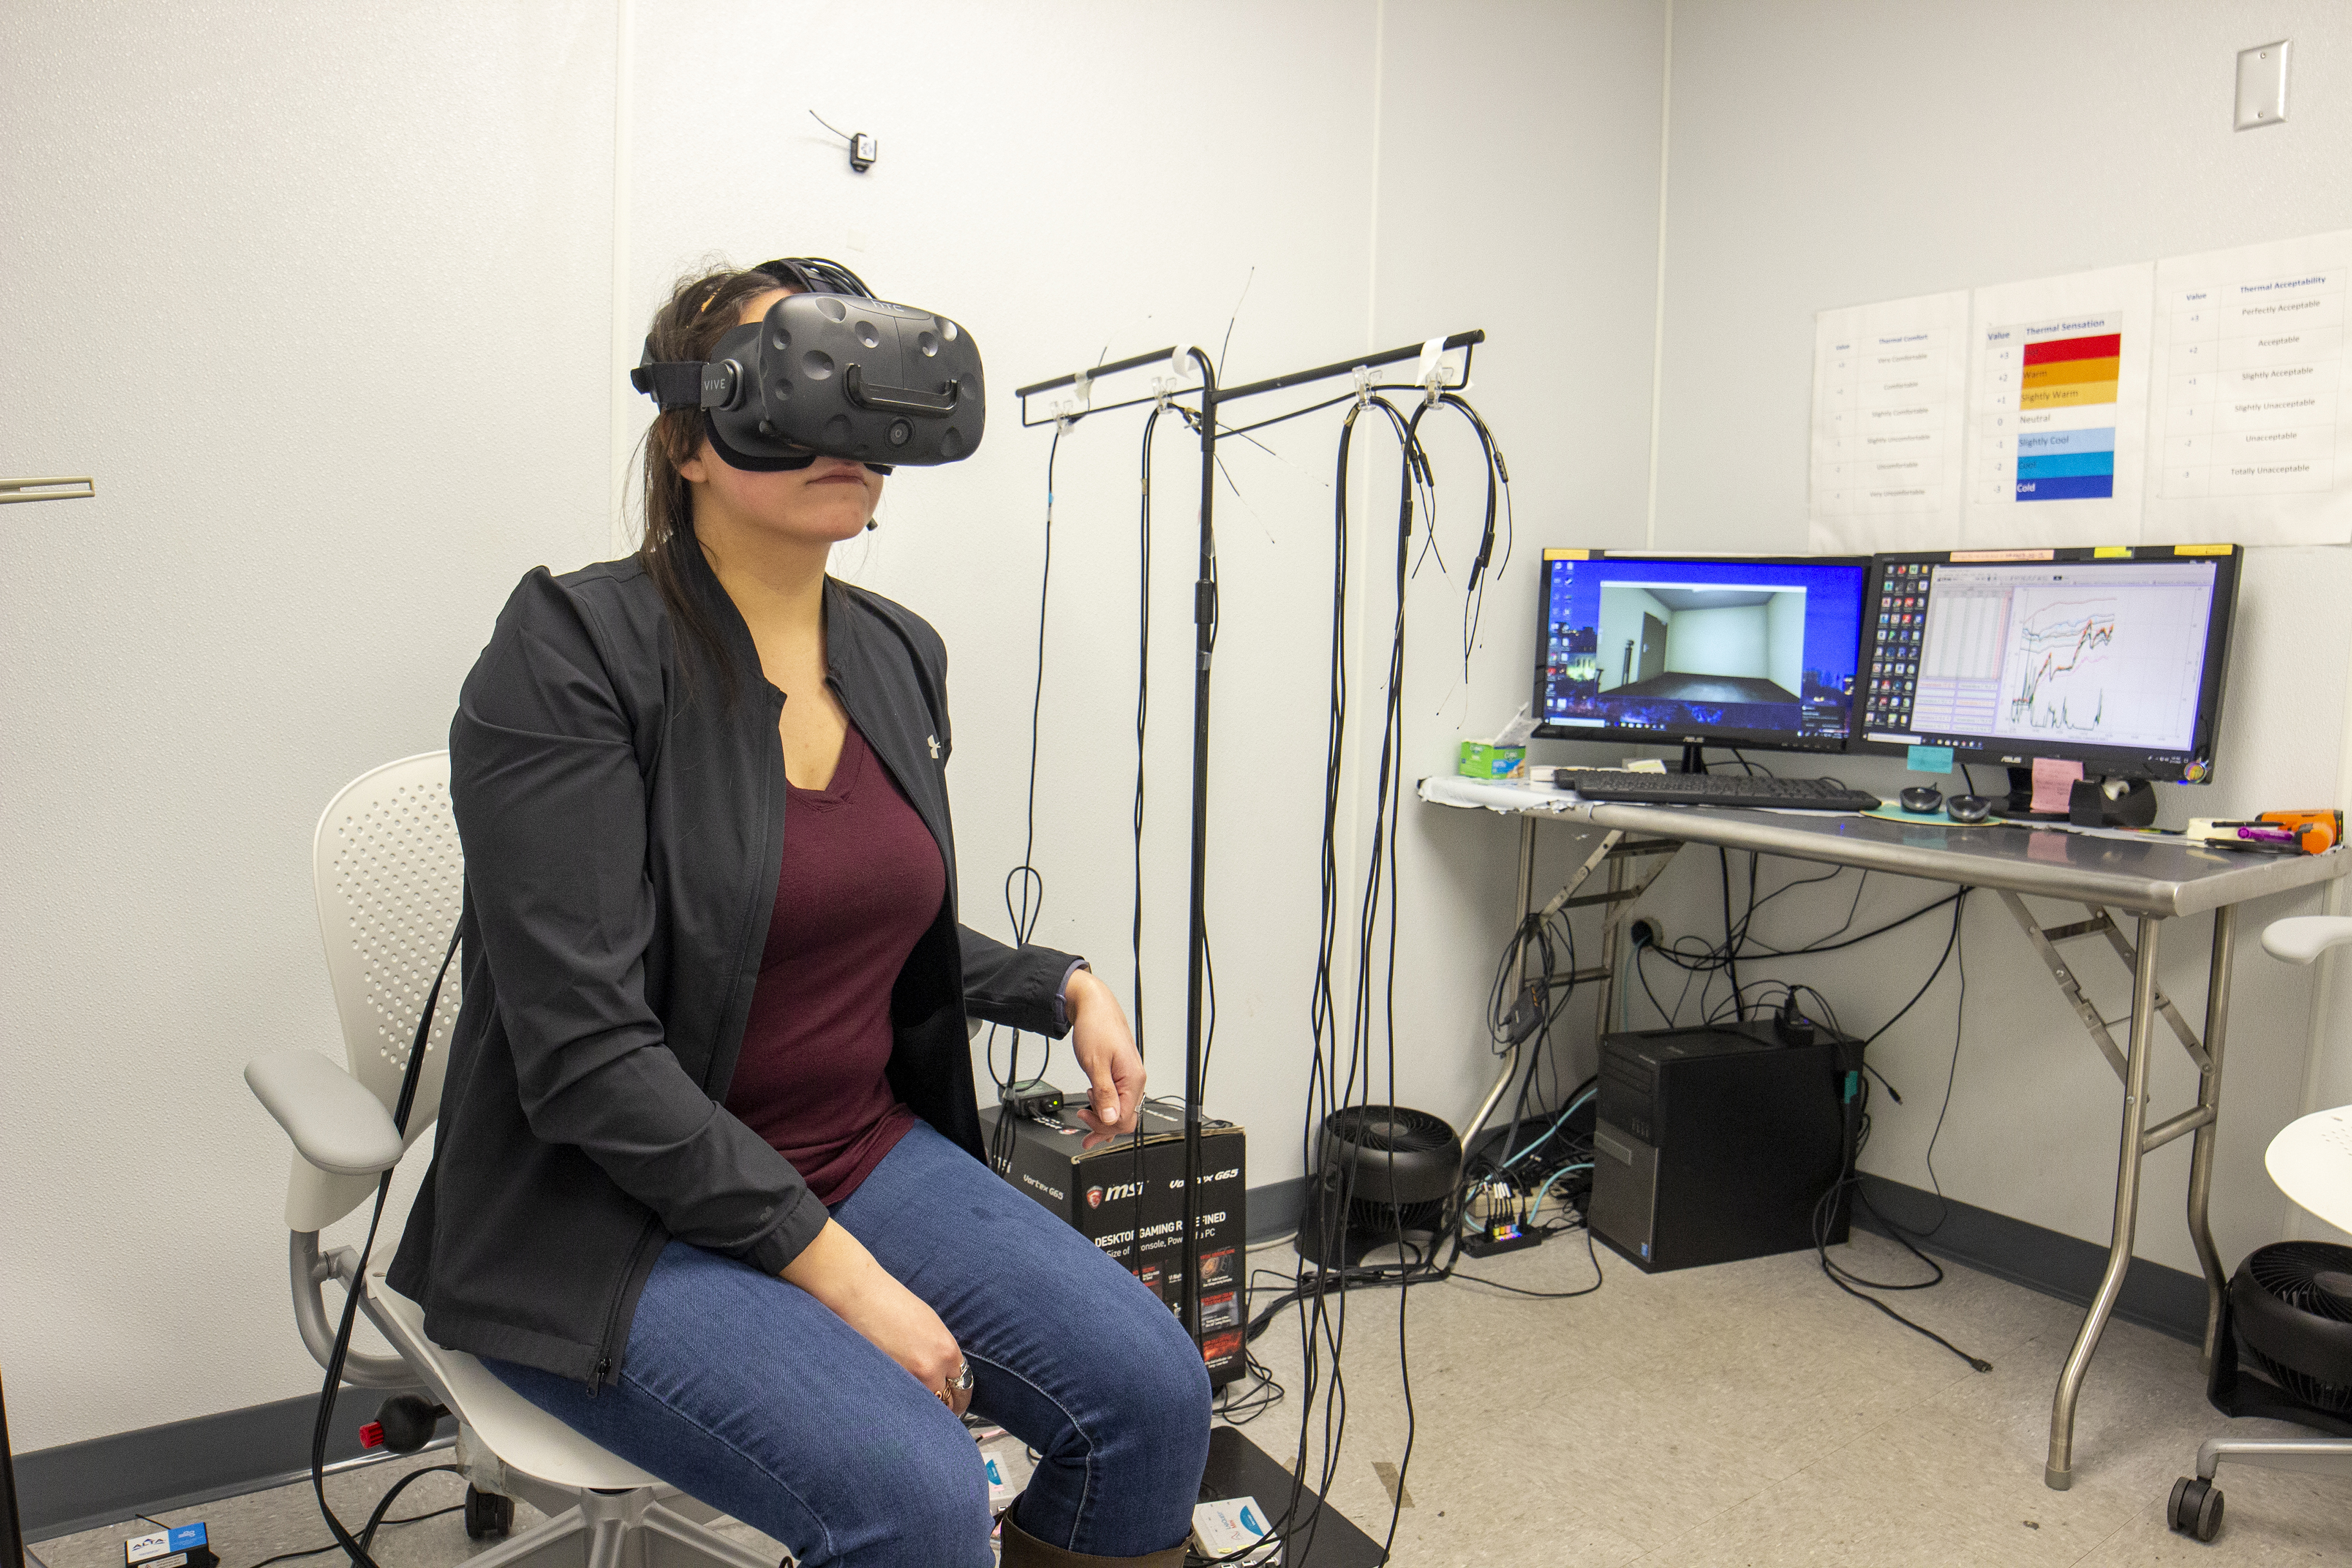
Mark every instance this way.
x=2283 y=1350
x=1385 y=1175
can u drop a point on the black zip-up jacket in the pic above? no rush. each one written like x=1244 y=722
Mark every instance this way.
x=623 y=829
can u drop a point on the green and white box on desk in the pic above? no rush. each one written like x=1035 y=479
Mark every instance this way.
x=1484 y=760
x=1503 y=757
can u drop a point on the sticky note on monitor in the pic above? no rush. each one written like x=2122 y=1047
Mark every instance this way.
x=2054 y=784
x=1931 y=760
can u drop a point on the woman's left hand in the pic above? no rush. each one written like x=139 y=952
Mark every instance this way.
x=1105 y=1047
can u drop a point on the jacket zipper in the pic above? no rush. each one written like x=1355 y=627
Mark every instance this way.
x=597 y=1379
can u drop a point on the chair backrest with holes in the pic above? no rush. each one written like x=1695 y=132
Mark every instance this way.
x=390 y=879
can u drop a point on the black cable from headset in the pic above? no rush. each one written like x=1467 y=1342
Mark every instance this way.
x=1025 y=876
x=324 y=1422
x=1498 y=479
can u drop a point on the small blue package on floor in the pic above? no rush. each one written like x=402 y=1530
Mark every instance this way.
x=180 y=1546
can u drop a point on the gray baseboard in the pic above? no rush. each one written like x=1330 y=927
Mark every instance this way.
x=79 y=1486
x=2066 y=1267
x=1275 y=1209
x=179 y=1464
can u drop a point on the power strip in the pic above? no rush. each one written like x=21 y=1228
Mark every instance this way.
x=1486 y=1205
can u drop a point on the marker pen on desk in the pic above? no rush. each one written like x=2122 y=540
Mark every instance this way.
x=2249 y=835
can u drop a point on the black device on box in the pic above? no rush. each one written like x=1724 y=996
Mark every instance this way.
x=1716 y=1144
x=1127 y=1199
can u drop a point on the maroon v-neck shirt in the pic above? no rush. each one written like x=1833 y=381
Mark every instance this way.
x=862 y=881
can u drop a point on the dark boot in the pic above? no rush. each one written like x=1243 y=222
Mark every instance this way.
x=1023 y=1550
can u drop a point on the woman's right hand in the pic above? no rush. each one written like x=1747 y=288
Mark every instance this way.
x=837 y=1270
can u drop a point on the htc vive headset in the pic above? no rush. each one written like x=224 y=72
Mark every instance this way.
x=830 y=371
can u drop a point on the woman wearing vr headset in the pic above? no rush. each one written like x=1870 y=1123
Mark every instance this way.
x=709 y=1185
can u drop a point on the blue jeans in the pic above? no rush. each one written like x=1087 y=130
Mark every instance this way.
x=748 y=1394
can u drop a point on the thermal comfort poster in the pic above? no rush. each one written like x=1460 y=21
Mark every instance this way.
x=2058 y=394
x=1889 y=416
x=2250 y=424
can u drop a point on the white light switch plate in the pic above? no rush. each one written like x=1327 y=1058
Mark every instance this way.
x=2262 y=85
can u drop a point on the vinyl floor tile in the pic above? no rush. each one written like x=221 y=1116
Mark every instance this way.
x=245 y=1530
x=1750 y=1416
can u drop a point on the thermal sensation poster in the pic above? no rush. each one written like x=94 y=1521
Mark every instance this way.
x=2250 y=427
x=2057 y=409
x=1889 y=419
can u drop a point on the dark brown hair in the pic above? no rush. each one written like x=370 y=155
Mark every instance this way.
x=700 y=312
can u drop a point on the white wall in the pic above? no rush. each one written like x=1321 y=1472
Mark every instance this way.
x=1622 y=605
x=1784 y=616
x=305 y=294
x=1567 y=101
x=1841 y=152
x=321 y=250
x=1727 y=641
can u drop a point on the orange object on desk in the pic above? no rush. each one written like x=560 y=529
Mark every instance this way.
x=2321 y=830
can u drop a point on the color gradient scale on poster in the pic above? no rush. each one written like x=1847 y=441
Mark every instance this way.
x=2058 y=405
x=2060 y=444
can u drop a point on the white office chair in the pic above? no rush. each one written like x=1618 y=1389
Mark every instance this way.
x=2311 y=1161
x=388 y=876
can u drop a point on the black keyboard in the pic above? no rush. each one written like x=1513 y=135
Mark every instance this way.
x=1716 y=789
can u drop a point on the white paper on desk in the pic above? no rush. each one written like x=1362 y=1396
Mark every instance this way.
x=1520 y=731
x=2250 y=435
x=1890 y=413
x=2058 y=380
x=1453 y=789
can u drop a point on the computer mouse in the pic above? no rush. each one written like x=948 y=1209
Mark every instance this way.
x=1969 y=807
x=1922 y=797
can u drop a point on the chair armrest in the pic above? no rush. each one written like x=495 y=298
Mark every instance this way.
x=2301 y=939
x=336 y=1124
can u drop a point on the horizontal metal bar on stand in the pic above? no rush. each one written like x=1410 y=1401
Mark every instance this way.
x=1348 y=366
x=1157 y=356
x=1467 y=340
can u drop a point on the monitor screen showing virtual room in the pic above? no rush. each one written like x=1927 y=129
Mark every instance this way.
x=2035 y=656
x=1688 y=648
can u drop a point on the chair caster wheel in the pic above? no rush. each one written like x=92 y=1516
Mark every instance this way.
x=488 y=1513
x=2196 y=1508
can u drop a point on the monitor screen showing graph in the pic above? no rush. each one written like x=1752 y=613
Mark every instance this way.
x=2109 y=658
x=1730 y=650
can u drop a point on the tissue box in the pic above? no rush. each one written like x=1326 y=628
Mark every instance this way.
x=1482 y=761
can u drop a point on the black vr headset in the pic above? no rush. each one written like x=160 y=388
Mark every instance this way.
x=829 y=372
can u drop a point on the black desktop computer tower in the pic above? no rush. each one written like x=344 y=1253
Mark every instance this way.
x=1716 y=1144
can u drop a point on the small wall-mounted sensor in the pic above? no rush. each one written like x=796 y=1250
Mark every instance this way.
x=863 y=149
x=2262 y=85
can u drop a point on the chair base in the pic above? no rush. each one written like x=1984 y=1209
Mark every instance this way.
x=2315 y=1456
x=620 y=1530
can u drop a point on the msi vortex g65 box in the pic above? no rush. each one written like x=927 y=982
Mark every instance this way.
x=1126 y=1197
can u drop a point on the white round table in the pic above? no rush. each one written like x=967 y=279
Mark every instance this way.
x=2311 y=1161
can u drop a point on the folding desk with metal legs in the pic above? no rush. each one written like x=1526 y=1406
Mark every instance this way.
x=2152 y=880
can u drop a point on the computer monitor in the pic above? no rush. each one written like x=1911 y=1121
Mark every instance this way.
x=2110 y=658
x=1723 y=651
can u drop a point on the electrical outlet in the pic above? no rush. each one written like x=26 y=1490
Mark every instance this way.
x=2262 y=85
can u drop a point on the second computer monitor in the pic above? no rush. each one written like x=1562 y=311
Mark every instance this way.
x=1723 y=651
x=2110 y=658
